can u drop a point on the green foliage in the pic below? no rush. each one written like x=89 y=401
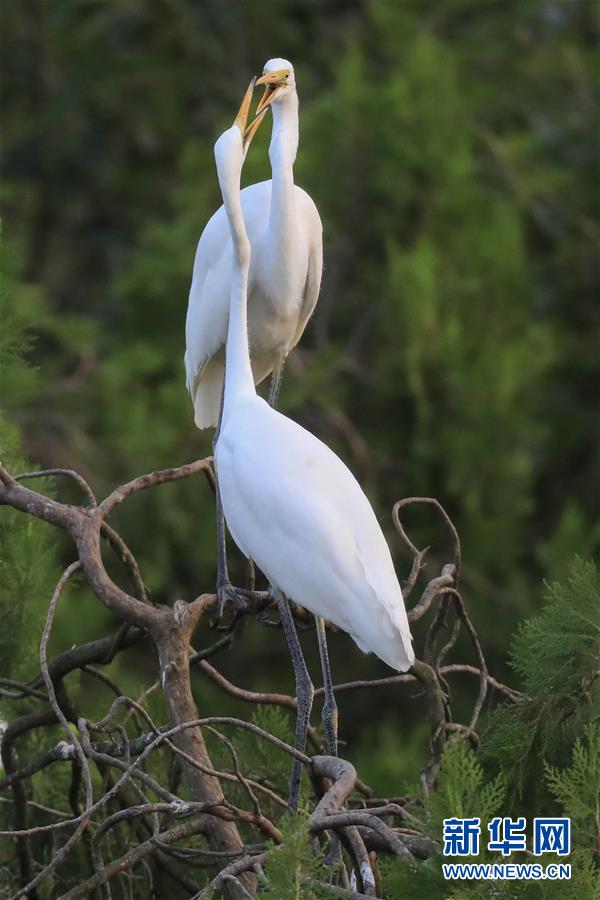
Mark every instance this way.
x=573 y=536
x=556 y=650
x=456 y=302
x=16 y=378
x=462 y=789
x=294 y=869
x=379 y=763
x=577 y=790
x=28 y=568
x=28 y=561
x=562 y=640
x=260 y=757
x=556 y=655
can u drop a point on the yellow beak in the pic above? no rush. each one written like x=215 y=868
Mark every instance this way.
x=273 y=81
x=241 y=119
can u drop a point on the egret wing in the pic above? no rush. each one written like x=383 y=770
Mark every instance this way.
x=208 y=304
x=314 y=229
x=294 y=507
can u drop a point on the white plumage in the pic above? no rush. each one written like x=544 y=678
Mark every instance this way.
x=285 y=233
x=293 y=506
x=290 y=503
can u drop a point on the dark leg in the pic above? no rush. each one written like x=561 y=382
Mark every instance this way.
x=329 y=714
x=276 y=379
x=304 y=694
x=225 y=590
x=330 y=710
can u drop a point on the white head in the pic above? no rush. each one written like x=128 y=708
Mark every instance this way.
x=229 y=152
x=280 y=83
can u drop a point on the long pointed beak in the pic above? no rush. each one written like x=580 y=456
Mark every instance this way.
x=273 y=81
x=253 y=128
x=242 y=116
x=248 y=131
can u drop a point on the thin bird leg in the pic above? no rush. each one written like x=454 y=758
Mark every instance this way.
x=304 y=694
x=276 y=379
x=330 y=710
x=225 y=589
x=329 y=715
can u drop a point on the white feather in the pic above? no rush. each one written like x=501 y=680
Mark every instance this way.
x=285 y=234
x=295 y=508
x=290 y=503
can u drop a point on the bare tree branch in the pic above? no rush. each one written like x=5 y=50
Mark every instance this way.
x=131 y=747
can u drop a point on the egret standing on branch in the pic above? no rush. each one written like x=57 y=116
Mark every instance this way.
x=286 y=237
x=291 y=504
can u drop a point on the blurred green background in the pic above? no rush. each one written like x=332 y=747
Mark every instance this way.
x=450 y=148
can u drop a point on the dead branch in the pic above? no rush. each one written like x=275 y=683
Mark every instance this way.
x=126 y=761
x=407 y=501
x=284 y=700
x=129 y=859
x=170 y=630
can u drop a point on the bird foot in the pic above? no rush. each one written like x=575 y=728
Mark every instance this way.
x=260 y=600
x=227 y=594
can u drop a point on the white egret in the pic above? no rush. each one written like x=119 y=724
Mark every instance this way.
x=285 y=233
x=291 y=504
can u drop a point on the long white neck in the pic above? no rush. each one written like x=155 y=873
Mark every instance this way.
x=282 y=154
x=238 y=371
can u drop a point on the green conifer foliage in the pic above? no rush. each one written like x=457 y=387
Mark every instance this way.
x=556 y=656
x=28 y=560
x=294 y=870
x=576 y=789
